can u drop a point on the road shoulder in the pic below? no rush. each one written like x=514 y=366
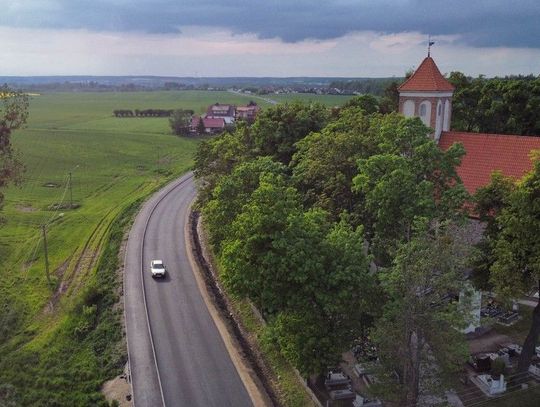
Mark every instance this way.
x=248 y=376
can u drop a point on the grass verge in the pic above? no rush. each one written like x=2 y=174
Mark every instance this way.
x=290 y=391
x=85 y=349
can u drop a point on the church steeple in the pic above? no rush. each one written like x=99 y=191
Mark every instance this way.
x=428 y=95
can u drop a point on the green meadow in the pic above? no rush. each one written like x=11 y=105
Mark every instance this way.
x=328 y=100
x=113 y=162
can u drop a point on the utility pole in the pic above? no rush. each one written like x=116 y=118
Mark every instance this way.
x=43 y=228
x=70 y=193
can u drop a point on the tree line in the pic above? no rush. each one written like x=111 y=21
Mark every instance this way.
x=373 y=86
x=344 y=224
x=509 y=105
x=146 y=113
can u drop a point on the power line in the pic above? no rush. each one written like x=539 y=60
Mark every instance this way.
x=44 y=229
x=482 y=397
x=508 y=393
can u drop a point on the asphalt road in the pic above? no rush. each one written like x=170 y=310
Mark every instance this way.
x=177 y=356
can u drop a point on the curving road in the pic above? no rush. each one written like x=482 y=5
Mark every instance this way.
x=176 y=354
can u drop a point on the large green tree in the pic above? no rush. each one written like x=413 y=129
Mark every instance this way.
x=410 y=178
x=489 y=201
x=509 y=105
x=326 y=161
x=232 y=192
x=278 y=128
x=516 y=269
x=180 y=121
x=308 y=276
x=418 y=336
x=217 y=157
x=368 y=103
x=13 y=114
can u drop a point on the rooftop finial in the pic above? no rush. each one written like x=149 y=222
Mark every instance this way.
x=430 y=43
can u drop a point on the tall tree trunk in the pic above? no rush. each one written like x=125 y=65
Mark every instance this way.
x=532 y=339
x=412 y=370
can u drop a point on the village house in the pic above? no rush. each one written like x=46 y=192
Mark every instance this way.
x=247 y=113
x=211 y=125
x=218 y=117
x=225 y=112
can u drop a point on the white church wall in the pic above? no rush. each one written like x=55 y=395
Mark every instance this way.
x=446 y=121
x=408 y=108
x=424 y=111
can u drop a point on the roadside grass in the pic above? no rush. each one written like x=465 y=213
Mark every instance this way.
x=291 y=393
x=85 y=348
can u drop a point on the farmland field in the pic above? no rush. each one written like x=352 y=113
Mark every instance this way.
x=56 y=344
x=328 y=100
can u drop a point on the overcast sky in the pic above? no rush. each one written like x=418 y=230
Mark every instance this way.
x=267 y=37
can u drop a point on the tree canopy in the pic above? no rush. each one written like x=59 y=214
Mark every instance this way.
x=180 y=121
x=418 y=334
x=509 y=105
x=516 y=249
x=301 y=206
x=13 y=115
x=410 y=178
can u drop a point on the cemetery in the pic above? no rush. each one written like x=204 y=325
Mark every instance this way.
x=489 y=373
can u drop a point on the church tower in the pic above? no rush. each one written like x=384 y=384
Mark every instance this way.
x=428 y=95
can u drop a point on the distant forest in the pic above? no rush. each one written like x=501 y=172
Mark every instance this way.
x=373 y=86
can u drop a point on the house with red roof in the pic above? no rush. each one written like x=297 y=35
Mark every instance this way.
x=219 y=111
x=247 y=113
x=212 y=125
x=428 y=95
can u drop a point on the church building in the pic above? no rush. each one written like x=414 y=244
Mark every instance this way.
x=428 y=95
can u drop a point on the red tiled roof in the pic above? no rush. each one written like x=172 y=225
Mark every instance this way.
x=214 y=123
x=426 y=78
x=485 y=153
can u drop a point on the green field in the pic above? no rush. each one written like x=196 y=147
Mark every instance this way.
x=328 y=100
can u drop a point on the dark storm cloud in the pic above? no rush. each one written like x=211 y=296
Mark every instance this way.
x=478 y=22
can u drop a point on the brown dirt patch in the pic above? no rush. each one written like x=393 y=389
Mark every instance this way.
x=118 y=389
x=25 y=208
x=488 y=342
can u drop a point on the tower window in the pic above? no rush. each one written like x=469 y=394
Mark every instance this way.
x=422 y=109
x=439 y=110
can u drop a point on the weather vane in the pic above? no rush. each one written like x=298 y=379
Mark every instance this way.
x=430 y=43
